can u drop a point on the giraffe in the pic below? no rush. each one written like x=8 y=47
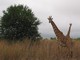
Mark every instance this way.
x=63 y=41
x=69 y=42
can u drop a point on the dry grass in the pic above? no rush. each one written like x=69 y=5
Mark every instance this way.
x=41 y=50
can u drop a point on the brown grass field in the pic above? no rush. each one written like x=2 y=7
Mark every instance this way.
x=40 y=50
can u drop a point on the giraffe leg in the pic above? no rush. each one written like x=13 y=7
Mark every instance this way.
x=58 y=47
x=59 y=51
x=71 y=53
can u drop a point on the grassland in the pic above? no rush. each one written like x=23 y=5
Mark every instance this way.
x=40 y=50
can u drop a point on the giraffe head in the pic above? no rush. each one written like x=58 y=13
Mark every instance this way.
x=50 y=19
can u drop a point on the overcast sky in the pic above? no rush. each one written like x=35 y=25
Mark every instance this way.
x=62 y=11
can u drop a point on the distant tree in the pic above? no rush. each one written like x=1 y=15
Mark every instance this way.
x=0 y=26
x=78 y=38
x=18 y=21
x=53 y=38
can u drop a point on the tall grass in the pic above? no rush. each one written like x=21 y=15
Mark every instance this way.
x=40 y=50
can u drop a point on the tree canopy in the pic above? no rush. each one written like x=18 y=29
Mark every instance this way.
x=18 y=21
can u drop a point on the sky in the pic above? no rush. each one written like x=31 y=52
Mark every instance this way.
x=63 y=12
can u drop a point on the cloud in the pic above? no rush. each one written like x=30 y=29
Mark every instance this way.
x=69 y=7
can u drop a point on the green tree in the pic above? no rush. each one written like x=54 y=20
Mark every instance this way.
x=18 y=21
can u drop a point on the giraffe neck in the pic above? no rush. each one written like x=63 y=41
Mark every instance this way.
x=58 y=33
x=68 y=34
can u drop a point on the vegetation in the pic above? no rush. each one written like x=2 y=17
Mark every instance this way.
x=77 y=38
x=40 y=50
x=18 y=22
x=53 y=38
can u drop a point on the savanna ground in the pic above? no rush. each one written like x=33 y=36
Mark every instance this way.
x=40 y=50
